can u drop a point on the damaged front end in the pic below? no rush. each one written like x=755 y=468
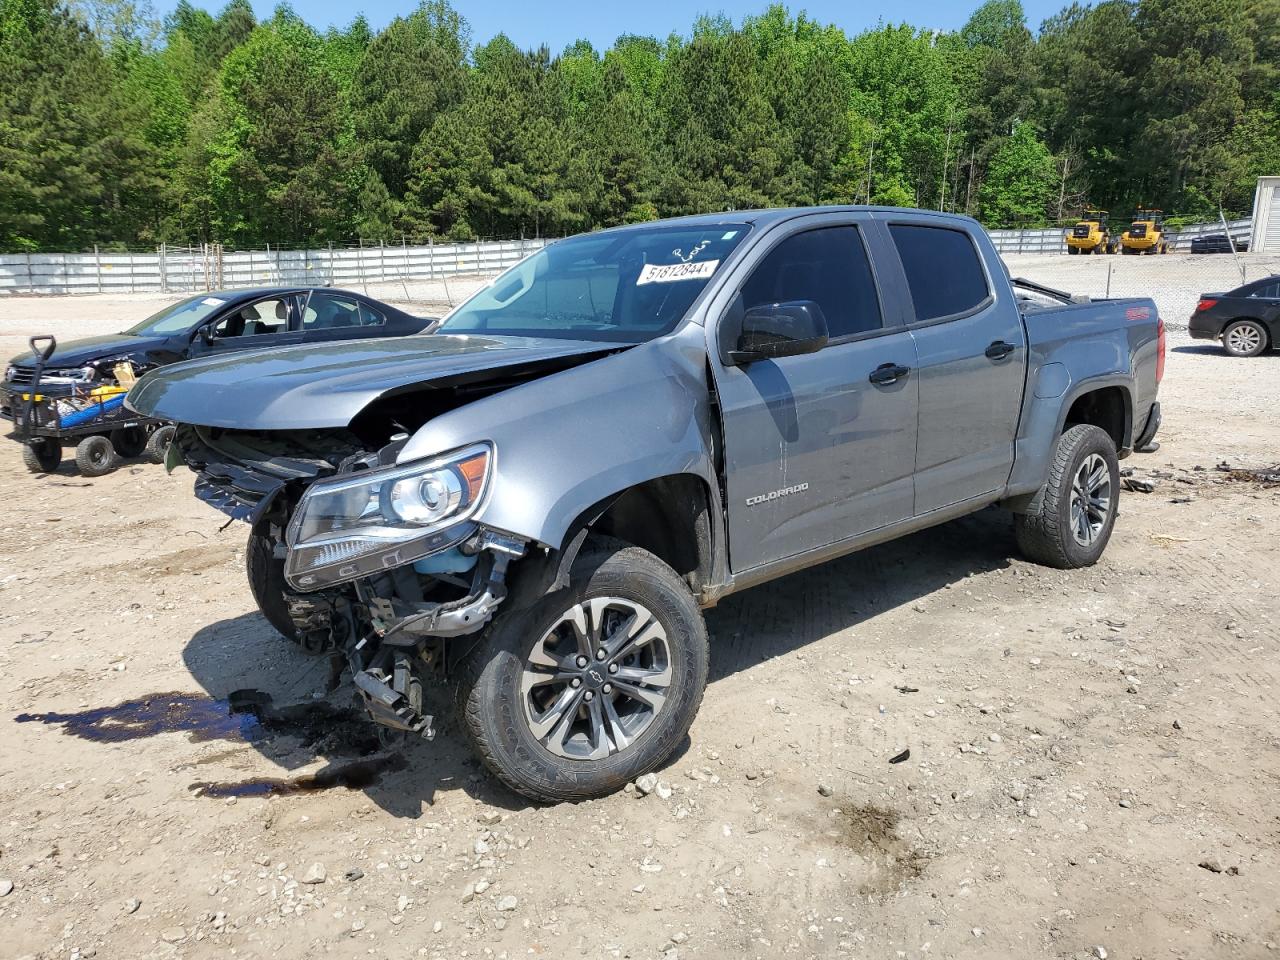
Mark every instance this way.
x=373 y=562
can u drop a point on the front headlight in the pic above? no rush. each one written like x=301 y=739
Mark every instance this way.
x=10 y=373
x=356 y=524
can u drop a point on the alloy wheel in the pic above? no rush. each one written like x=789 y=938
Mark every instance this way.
x=1090 y=500
x=1244 y=338
x=597 y=679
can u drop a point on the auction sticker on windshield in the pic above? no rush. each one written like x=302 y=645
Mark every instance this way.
x=669 y=273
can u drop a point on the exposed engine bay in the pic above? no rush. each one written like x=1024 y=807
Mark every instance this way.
x=385 y=617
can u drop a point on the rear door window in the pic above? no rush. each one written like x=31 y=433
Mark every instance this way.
x=943 y=271
x=324 y=311
x=1270 y=291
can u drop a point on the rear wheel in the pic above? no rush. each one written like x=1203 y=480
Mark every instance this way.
x=1072 y=518
x=95 y=456
x=266 y=580
x=129 y=441
x=1244 y=338
x=592 y=686
x=42 y=455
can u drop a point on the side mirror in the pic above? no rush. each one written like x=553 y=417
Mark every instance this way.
x=774 y=330
x=207 y=334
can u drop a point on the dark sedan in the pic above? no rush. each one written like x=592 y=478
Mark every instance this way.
x=82 y=382
x=1246 y=319
x=1218 y=243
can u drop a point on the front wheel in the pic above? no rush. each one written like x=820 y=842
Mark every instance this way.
x=266 y=580
x=1244 y=338
x=42 y=455
x=1071 y=519
x=591 y=686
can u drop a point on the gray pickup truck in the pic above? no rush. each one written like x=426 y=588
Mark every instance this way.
x=531 y=505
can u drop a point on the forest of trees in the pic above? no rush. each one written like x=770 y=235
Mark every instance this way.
x=120 y=130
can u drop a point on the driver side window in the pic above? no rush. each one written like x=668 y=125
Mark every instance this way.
x=255 y=319
x=828 y=266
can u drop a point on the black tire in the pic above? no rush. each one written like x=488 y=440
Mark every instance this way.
x=1072 y=251
x=95 y=456
x=158 y=443
x=42 y=455
x=266 y=582
x=129 y=442
x=1045 y=533
x=1245 y=338
x=491 y=706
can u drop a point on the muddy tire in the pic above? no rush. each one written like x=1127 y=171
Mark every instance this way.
x=560 y=712
x=158 y=443
x=1244 y=338
x=42 y=455
x=129 y=442
x=95 y=456
x=266 y=582
x=1072 y=517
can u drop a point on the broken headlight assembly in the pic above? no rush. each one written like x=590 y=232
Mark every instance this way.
x=357 y=524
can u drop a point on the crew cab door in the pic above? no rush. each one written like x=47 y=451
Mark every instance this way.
x=269 y=322
x=330 y=316
x=971 y=355
x=814 y=450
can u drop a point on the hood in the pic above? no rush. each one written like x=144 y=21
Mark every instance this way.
x=77 y=353
x=327 y=384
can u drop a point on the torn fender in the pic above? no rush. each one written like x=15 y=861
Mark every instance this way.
x=569 y=440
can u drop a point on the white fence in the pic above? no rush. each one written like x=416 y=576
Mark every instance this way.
x=1054 y=239
x=209 y=267
x=191 y=269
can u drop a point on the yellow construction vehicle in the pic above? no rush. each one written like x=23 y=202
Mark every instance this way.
x=1090 y=234
x=1146 y=234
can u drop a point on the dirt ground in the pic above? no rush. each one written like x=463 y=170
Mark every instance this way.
x=1094 y=756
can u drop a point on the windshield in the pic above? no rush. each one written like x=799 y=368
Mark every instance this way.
x=622 y=287
x=180 y=317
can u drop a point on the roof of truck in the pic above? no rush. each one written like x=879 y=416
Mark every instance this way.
x=779 y=214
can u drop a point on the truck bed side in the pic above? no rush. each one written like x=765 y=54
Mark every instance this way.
x=1076 y=351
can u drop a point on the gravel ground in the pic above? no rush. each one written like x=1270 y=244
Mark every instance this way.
x=1094 y=757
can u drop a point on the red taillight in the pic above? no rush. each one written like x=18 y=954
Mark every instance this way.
x=1205 y=303
x=1161 y=344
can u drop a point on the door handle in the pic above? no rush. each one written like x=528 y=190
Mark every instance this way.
x=888 y=373
x=999 y=349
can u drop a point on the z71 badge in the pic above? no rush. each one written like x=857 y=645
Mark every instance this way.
x=776 y=494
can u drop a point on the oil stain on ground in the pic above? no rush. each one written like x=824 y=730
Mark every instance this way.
x=201 y=717
x=247 y=716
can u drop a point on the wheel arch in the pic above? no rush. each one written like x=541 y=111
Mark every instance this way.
x=670 y=516
x=1107 y=406
x=1103 y=401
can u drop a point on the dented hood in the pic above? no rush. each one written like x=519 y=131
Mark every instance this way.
x=327 y=384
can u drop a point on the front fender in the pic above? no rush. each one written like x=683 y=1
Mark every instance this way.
x=569 y=440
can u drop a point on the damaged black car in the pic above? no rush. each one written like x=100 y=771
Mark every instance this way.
x=72 y=393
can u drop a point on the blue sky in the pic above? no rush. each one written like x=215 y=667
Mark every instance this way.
x=557 y=24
